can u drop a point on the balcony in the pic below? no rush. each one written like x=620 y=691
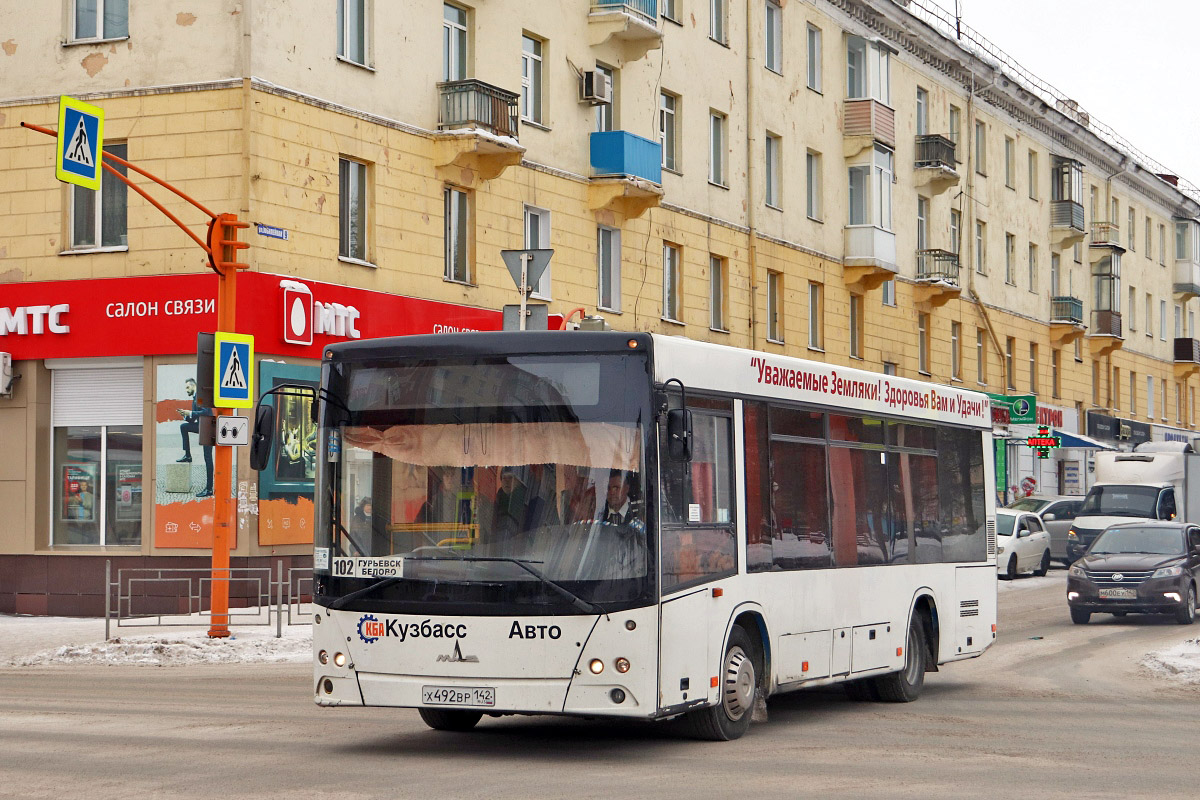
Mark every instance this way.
x=627 y=173
x=630 y=24
x=1066 y=320
x=477 y=131
x=1107 y=234
x=935 y=165
x=870 y=257
x=1187 y=358
x=1066 y=224
x=937 y=277
x=1187 y=279
x=864 y=122
x=1105 y=334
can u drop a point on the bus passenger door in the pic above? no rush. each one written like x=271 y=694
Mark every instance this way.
x=684 y=650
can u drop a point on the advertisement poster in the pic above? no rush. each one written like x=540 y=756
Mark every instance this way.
x=78 y=493
x=285 y=489
x=129 y=493
x=183 y=470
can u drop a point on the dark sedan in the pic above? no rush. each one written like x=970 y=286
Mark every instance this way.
x=1142 y=567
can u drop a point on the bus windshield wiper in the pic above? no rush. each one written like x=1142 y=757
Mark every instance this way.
x=562 y=591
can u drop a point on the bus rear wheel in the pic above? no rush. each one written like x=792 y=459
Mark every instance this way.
x=905 y=686
x=730 y=718
x=441 y=719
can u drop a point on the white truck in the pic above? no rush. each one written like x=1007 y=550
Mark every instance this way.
x=1158 y=480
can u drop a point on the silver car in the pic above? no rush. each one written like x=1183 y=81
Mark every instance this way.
x=1057 y=513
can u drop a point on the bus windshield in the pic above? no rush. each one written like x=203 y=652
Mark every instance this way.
x=487 y=486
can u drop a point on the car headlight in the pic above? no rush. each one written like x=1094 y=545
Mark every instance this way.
x=1071 y=534
x=1168 y=572
x=1078 y=571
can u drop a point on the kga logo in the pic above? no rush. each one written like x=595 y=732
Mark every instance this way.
x=303 y=317
x=370 y=629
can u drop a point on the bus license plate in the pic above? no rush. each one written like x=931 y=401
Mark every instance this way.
x=458 y=696
x=1118 y=594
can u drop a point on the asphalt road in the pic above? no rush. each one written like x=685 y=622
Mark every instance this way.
x=1068 y=714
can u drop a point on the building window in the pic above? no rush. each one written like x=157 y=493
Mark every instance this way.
x=922 y=109
x=1114 y=389
x=670 y=9
x=956 y=130
x=672 y=280
x=888 y=292
x=1009 y=166
x=1150 y=396
x=1133 y=392
x=454 y=43
x=1077 y=253
x=773 y=148
x=812 y=169
x=923 y=343
x=856 y=326
x=1130 y=238
x=668 y=104
x=352 y=208
x=1162 y=245
x=97 y=455
x=1178 y=321
x=922 y=226
x=103 y=223
x=1010 y=345
x=981 y=147
x=1033 y=368
x=889 y=368
x=537 y=237
x=1033 y=266
x=1033 y=175
x=981 y=357
x=352 y=30
x=608 y=258
x=1162 y=320
x=717 y=283
x=1163 y=405
x=774 y=307
x=531 y=79
x=956 y=350
x=1095 y=383
x=101 y=19
x=956 y=231
x=816 y=316
x=1149 y=319
x=1055 y=274
x=716 y=140
x=871 y=190
x=773 y=36
x=1132 y=309
x=605 y=112
x=981 y=247
x=716 y=20
x=868 y=70
x=457 y=242
x=814 y=58
x=1056 y=372
x=1010 y=255
x=1178 y=403
x=1146 y=226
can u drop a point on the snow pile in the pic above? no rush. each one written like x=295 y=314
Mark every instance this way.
x=1054 y=578
x=40 y=641
x=1180 y=663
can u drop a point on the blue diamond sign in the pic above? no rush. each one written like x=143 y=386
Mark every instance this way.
x=233 y=377
x=80 y=142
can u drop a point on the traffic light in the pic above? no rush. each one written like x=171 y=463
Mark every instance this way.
x=223 y=242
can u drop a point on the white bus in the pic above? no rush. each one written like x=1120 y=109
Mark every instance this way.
x=640 y=526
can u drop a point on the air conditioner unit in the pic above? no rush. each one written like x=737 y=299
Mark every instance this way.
x=596 y=88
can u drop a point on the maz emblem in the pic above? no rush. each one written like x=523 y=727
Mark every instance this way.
x=457 y=656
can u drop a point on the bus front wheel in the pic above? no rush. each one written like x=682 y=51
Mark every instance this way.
x=446 y=720
x=740 y=677
x=905 y=686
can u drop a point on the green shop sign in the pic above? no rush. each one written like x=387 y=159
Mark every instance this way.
x=1014 y=409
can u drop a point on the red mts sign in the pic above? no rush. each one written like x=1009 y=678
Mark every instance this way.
x=161 y=315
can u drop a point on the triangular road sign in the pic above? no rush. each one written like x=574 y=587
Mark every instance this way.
x=538 y=260
x=234 y=377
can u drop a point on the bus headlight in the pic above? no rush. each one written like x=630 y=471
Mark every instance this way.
x=323 y=657
x=339 y=659
x=622 y=664
x=596 y=666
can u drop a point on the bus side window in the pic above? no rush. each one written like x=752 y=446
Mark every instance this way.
x=698 y=537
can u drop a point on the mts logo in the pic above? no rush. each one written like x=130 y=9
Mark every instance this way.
x=24 y=320
x=303 y=316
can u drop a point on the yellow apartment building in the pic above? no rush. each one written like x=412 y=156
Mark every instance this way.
x=848 y=181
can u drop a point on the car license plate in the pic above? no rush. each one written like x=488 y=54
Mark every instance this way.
x=1118 y=594
x=458 y=696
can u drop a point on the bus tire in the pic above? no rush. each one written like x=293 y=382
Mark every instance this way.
x=741 y=676
x=441 y=719
x=905 y=686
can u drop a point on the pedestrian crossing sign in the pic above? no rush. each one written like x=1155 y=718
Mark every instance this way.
x=233 y=375
x=80 y=142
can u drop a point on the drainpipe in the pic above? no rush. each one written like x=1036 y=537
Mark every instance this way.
x=247 y=65
x=1122 y=167
x=970 y=233
x=751 y=173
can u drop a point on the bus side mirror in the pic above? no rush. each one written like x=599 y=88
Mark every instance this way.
x=679 y=434
x=260 y=438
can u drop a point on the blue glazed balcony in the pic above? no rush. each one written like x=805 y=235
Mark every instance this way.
x=626 y=173
x=623 y=153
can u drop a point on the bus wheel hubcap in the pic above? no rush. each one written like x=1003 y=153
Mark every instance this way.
x=739 y=683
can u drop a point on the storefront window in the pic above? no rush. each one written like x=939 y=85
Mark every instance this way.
x=97 y=485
